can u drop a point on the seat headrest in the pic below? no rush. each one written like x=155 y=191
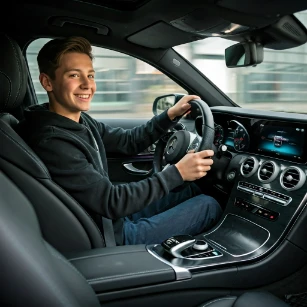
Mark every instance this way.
x=13 y=74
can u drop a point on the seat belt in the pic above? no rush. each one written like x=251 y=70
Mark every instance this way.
x=107 y=224
x=108 y=232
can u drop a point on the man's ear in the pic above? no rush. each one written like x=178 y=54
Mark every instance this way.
x=45 y=82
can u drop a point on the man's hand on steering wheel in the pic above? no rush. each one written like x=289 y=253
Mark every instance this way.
x=195 y=165
x=178 y=147
x=181 y=107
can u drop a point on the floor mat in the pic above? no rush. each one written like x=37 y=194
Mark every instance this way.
x=297 y=300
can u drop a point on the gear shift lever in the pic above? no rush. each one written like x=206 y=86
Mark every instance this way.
x=176 y=244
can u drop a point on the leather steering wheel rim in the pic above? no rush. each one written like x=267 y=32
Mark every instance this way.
x=207 y=136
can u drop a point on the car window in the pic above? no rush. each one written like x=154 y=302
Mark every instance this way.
x=126 y=86
x=279 y=83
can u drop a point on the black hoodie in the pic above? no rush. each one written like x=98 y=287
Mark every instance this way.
x=75 y=155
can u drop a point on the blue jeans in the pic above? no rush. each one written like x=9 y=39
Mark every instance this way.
x=186 y=211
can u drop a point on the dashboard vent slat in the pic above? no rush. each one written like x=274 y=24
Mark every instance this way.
x=249 y=166
x=268 y=171
x=292 y=178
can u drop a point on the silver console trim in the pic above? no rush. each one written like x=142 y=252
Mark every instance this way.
x=264 y=195
x=181 y=273
x=204 y=258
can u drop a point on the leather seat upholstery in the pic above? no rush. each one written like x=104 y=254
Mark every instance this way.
x=32 y=272
x=248 y=299
x=64 y=223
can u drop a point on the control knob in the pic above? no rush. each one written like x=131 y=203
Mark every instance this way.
x=200 y=245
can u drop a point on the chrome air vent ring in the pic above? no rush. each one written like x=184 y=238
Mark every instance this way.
x=292 y=178
x=268 y=171
x=249 y=166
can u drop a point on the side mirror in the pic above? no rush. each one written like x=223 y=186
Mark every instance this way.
x=164 y=102
x=244 y=54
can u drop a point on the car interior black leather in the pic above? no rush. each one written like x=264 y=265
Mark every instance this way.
x=40 y=223
x=248 y=299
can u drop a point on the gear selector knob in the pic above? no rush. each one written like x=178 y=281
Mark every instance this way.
x=176 y=244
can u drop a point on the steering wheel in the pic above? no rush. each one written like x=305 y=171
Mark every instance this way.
x=174 y=145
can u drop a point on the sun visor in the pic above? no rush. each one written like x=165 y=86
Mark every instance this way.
x=216 y=21
x=162 y=35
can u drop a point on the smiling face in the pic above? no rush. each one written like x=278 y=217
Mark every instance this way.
x=73 y=87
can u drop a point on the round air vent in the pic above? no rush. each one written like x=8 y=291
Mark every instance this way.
x=249 y=166
x=268 y=171
x=292 y=178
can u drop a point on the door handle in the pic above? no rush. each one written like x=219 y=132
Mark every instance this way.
x=129 y=167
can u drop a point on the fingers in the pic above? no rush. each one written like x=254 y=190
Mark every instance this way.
x=202 y=171
x=185 y=101
x=191 y=151
x=195 y=165
x=188 y=98
x=181 y=107
x=206 y=153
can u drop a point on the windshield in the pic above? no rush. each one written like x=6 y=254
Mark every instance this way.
x=279 y=83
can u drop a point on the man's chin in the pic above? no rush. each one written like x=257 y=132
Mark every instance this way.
x=84 y=108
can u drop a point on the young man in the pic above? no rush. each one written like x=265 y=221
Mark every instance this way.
x=73 y=146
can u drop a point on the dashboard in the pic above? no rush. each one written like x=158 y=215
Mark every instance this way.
x=260 y=182
x=263 y=133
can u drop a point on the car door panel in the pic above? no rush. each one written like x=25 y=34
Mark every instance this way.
x=124 y=168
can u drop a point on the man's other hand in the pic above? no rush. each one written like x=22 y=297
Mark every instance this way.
x=181 y=107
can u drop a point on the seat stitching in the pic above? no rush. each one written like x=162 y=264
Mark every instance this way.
x=10 y=91
x=18 y=65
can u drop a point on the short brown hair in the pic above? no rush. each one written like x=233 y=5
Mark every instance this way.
x=49 y=57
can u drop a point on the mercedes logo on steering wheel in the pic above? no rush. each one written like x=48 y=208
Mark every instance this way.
x=172 y=145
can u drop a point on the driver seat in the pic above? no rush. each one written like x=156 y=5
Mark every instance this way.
x=64 y=223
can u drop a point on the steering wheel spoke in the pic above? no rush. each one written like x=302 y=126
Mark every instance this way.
x=195 y=141
x=174 y=145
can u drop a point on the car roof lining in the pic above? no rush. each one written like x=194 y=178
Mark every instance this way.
x=147 y=23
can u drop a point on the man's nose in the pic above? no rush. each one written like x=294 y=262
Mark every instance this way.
x=85 y=82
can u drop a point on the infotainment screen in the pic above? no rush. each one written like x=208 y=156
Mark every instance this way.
x=284 y=140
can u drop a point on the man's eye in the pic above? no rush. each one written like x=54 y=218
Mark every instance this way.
x=74 y=75
x=91 y=76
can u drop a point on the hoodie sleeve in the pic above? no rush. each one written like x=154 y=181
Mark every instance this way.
x=69 y=167
x=133 y=141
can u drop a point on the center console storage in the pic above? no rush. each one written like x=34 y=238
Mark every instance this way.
x=238 y=236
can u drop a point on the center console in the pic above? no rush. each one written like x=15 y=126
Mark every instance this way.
x=259 y=241
x=265 y=202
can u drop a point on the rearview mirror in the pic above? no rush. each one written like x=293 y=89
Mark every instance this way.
x=244 y=54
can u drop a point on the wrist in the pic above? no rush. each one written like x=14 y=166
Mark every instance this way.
x=171 y=114
x=177 y=165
